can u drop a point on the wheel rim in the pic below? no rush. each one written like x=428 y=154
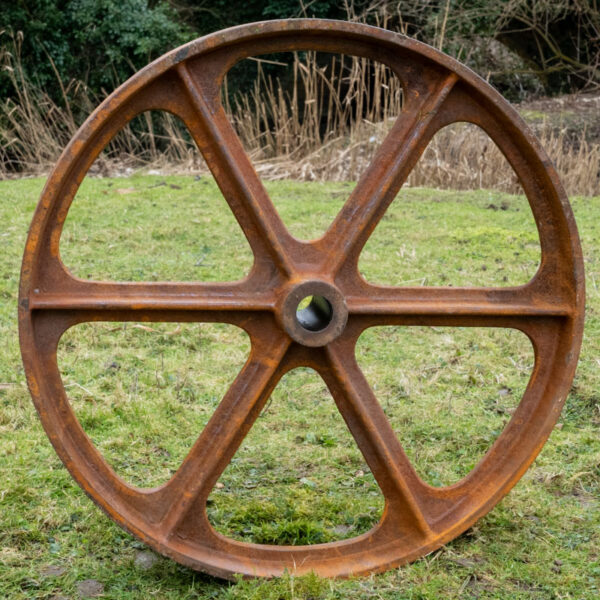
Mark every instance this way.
x=417 y=518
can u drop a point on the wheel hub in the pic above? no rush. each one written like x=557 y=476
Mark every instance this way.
x=321 y=320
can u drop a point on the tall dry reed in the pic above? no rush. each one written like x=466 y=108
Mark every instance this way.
x=326 y=125
x=462 y=156
x=325 y=138
x=34 y=128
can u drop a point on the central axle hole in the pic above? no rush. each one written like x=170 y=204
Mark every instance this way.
x=314 y=313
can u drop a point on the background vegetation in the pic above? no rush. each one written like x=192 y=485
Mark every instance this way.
x=101 y=43
x=60 y=58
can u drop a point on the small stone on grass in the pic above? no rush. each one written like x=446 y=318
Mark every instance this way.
x=90 y=588
x=145 y=560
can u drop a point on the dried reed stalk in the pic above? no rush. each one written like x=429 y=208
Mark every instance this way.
x=358 y=103
x=326 y=126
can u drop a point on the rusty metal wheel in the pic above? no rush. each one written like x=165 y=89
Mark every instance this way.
x=417 y=518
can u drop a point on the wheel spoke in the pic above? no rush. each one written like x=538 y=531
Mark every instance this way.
x=376 y=439
x=453 y=306
x=78 y=300
x=233 y=170
x=382 y=179
x=100 y=297
x=225 y=431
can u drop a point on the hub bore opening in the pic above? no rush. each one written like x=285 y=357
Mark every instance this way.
x=314 y=313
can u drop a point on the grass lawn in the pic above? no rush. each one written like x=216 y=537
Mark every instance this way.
x=143 y=392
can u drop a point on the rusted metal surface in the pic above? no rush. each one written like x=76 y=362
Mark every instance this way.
x=417 y=518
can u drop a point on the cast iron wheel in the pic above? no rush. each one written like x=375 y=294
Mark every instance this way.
x=417 y=518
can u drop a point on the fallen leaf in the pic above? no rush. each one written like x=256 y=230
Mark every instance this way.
x=463 y=562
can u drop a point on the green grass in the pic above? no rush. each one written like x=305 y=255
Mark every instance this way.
x=143 y=392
